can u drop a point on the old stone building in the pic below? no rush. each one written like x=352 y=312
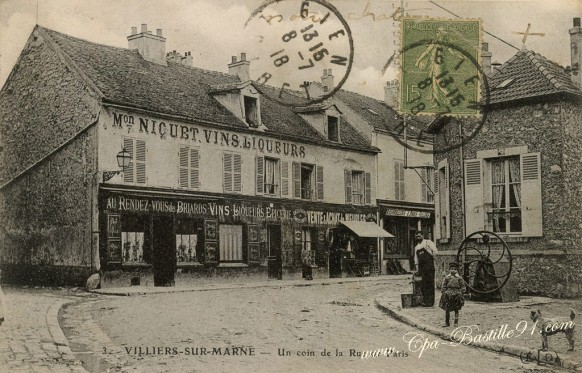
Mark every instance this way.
x=521 y=176
x=222 y=182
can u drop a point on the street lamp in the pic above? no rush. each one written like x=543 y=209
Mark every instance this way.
x=123 y=161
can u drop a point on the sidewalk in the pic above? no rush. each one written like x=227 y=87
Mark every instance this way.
x=207 y=286
x=508 y=325
x=31 y=339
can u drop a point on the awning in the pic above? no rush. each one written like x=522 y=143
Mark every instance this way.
x=366 y=229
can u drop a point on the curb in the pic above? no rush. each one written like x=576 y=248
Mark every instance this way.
x=292 y=283
x=513 y=350
x=59 y=339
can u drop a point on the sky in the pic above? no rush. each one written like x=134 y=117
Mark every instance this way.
x=214 y=30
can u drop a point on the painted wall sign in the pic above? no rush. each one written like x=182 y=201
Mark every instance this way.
x=235 y=210
x=408 y=213
x=208 y=136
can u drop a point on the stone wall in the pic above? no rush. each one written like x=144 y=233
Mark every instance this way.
x=45 y=201
x=551 y=127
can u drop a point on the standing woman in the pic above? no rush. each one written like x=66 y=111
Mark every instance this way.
x=424 y=253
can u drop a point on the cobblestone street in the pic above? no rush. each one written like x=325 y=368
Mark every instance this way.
x=279 y=329
x=31 y=338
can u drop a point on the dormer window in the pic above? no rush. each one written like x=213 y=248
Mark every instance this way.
x=251 y=111
x=332 y=128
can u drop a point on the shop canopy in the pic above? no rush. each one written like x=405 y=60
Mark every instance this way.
x=366 y=229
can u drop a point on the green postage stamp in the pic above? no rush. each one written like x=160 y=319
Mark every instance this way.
x=440 y=71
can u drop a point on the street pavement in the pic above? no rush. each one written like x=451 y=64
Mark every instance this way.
x=31 y=339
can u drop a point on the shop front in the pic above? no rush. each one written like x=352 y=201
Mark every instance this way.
x=403 y=220
x=160 y=238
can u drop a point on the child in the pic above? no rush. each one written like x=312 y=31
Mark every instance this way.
x=452 y=291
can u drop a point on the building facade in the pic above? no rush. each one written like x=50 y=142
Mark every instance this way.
x=222 y=182
x=520 y=177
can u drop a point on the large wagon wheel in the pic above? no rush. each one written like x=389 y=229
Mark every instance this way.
x=477 y=256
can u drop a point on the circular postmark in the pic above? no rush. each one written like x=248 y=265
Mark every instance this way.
x=439 y=102
x=298 y=43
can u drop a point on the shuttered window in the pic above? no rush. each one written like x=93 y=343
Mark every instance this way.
x=267 y=175
x=348 y=185
x=136 y=172
x=399 y=192
x=426 y=186
x=442 y=206
x=230 y=237
x=319 y=176
x=284 y=178
x=232 y=172
x=189 y=165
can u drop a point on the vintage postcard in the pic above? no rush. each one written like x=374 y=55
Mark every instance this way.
x=290 y=185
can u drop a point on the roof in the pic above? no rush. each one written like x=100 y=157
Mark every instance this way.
x=124 y=77
x=377 y=113
x=526 y=75
x=366 y=229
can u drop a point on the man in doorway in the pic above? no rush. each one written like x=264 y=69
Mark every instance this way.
x=424 y=255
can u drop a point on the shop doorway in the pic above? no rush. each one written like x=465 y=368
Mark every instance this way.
x=275 y=262
x=163 y=242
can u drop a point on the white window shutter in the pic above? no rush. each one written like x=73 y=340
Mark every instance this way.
x=237 y=172
x=194 y=168
x=296 y=179
x=284 y=178
x=348 y=184
x=448 y=199
x=368 y=188
x=140 y=161
x=437 y=207
x=129 y=171
x=183 y=167
x=227 y=172
x=260 y=175
x=531 y=195
x=319 y=181
x=474 y=204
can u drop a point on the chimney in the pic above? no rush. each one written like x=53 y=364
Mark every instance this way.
x=576 y=53
x=240 y=68
x=327 y=80
x=151 y=47
x=174 y=56
x=187 y=59
x=391 y=93
x=486 y=59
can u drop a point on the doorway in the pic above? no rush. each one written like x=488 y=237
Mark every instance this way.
x=275 y=262
x=164 y=248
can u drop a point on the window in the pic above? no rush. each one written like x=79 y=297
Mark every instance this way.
x=503 y=194
x=251 y=111
x=308 y=246
x=232 y=177
x=187 y=241
x=506 y=195
x=426 y=186
x=358 y=185
x=268 y=175
x=399 y=180
x=230 y=237
x=307 y=181
x=133 y=228
x=136 y=172
x=332 y=128
x=189 y=168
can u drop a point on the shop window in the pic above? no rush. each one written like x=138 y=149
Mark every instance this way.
x=399 y=191
x=332 y=128
x=189 y=175
x=187 y=241
x=251 y=111
x=426 y=186
x=230 y=238
x=308 y=246
x=268 y=175
x=133 y=237
x=135 y=173
x=232 y=167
